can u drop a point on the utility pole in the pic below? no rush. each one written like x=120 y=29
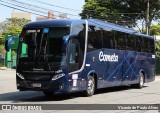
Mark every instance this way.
x=147 y=19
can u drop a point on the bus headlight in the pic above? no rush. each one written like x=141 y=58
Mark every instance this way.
x=20 y=76
x=58 y=76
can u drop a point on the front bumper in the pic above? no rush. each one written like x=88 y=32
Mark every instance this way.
x=59 y=85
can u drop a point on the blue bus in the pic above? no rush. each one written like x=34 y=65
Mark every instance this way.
x=82 y=55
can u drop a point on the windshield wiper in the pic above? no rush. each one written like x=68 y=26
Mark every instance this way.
x=40 y=48
x=45 y=57
x=35 y=51
x=45 y=50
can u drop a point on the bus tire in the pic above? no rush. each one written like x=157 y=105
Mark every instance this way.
x=141 y=81
x=48 y=93
x=90 y=86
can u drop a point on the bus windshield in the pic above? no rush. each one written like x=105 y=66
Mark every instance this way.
x=43 y=45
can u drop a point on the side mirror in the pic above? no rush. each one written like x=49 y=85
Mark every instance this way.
x=8 y=43
x=66 y=39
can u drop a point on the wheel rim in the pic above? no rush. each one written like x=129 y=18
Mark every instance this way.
x=90 y=86
x=141 y=80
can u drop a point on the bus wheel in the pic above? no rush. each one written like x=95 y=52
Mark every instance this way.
x=141 y=81
x=90 y=86
x=48 y=93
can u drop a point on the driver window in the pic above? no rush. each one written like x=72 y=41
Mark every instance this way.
x=73 y=55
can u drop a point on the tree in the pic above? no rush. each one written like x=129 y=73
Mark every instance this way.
x=102 y=9
x=124 y=12
x=12 y=30
x=155 y=30
x=158 y=49
x=11 y=26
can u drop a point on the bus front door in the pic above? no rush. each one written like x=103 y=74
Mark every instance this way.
x=73 y=56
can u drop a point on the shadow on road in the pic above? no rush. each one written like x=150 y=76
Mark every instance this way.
x=32 y=96
x=115 y=89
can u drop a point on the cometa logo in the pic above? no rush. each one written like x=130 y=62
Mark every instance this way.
x=109 y=58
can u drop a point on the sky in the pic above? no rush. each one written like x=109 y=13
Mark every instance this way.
x=5 y=12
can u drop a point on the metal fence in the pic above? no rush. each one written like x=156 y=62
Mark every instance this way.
x=157 y=66
x=2 y=59
x=14 y=58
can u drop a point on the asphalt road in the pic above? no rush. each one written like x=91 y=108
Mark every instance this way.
x=150 y=94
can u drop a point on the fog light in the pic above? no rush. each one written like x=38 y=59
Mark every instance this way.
x=61 y=86
x=18 y=85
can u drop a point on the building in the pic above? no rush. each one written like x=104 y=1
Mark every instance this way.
x=157 y=38
x=63 y=16
x=50 y=16
x=21 y=15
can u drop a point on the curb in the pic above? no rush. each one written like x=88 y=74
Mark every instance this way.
x=3 y=68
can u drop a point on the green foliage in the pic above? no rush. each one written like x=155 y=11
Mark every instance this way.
x=1 y=36
x=157 y=57
x=158 y=66
x=1 y=39
x=124 y=12
x=155 y=30
x=17 y=22
x=1 y=48
x=11 y=26
x=12 y=30
x=1 y=42
x=158 y=49
x=100 y=9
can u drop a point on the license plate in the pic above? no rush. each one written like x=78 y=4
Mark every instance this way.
x=36 y=85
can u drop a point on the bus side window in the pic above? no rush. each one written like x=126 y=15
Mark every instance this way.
x=138 y=44
x=130 y=42
x=145 y=45
x=151 y=46
x=120 y=40
x=94 y=39
x=108 y=37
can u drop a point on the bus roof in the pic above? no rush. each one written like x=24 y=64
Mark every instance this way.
x=110 y=26
x=69 y=22
x=55 y=23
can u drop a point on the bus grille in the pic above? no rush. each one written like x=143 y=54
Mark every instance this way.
x=37 y=77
